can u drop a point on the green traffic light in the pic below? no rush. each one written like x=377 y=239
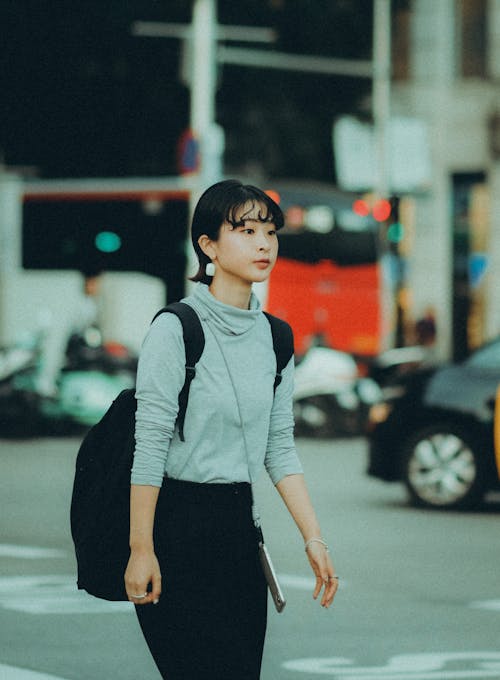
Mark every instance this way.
x=108 y=242
x=395 y=232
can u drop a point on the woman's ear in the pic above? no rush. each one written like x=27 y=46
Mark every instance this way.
x=206 y=246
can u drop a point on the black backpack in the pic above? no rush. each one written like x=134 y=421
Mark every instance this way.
x=100 y=503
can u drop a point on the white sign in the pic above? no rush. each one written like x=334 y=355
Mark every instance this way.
x=408 y=155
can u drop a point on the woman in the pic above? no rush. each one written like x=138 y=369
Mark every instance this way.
x=196 y=580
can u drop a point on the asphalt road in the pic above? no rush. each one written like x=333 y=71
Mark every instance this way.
x=419 y=596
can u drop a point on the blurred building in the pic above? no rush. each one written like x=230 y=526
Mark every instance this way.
x=446 y=67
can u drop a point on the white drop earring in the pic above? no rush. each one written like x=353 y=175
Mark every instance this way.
x=210 y=269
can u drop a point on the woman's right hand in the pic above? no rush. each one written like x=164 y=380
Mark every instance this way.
x=143 y=569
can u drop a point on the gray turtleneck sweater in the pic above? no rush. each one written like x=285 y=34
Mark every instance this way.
x=233 y=425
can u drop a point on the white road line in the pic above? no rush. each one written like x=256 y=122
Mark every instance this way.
x=14 y=673
x=29 y=552
x=58 y=594
x=52 y=594
x=491 y=605
x=423 y=666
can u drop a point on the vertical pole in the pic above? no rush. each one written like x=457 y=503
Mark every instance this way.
x=203 y=79
x=381 y=92
x=203 y=46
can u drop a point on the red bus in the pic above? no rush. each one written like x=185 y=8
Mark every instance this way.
x=330 y=280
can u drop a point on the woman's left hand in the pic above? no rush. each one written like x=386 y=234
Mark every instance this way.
x=322 y=566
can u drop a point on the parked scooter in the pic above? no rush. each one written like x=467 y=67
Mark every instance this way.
x=93 y=375
x=330 y=398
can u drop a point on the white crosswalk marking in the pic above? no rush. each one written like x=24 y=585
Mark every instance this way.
x=424 y=666
x=13 y=673
x=58 y=594
x=53 y=594
x=491 y=605
x=29 y=552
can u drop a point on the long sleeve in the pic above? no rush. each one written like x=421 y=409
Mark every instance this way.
x=160 y=377
x=281 y=456
x=214 y=448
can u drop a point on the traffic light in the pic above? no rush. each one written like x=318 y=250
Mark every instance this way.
x=386 y=212
x=379 y=208
x=395 y=232
x=108 y=242
x=395 y=229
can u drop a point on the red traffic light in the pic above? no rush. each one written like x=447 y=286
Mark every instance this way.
x=382 y=210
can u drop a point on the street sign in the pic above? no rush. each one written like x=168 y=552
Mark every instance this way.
x=188 y=153
x=408 y=155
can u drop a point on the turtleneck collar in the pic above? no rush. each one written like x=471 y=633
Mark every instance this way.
x=230 y=320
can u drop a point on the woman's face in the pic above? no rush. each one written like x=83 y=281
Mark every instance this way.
x=246 y=252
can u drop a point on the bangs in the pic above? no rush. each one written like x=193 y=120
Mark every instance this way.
x=261 y=208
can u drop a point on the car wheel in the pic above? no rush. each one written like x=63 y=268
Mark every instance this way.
x=443 y=468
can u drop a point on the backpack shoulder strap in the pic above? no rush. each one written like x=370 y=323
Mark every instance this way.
x=194 y=343
x=282 y=344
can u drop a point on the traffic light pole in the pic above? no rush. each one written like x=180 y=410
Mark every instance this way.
x=202 y=108
x=381 y=92
x=203 y=82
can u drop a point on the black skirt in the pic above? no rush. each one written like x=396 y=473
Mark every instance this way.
x=210 y=622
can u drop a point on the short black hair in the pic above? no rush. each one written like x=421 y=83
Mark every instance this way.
x=220 y=203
